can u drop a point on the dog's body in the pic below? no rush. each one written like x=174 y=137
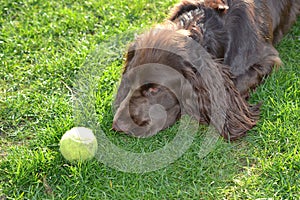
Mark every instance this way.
x=244 y=36
x=222 y=49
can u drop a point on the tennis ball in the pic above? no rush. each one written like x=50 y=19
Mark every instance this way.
x=79 y=143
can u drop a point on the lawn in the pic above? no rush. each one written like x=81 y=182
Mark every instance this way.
x=56 y=56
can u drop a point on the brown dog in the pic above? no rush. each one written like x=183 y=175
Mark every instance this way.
x=202 y=62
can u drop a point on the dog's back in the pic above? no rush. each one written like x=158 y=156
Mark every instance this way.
x=284 y=13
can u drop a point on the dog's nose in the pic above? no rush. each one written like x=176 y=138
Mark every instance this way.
x=119 y=126
x=116 y=127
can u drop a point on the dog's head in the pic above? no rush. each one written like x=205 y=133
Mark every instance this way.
x=146 y=110
x=168 y=74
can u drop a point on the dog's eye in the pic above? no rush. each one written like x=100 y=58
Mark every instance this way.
x=150 y=90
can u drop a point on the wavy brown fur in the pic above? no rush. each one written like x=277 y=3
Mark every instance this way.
x=202 y=61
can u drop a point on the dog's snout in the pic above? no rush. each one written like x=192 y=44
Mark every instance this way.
x=115 y=127
x=119 y=126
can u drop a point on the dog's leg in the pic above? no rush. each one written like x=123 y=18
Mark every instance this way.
x=256 y=73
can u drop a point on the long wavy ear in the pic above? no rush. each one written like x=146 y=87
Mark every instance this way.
x=219 y=102
x=194 y=94
x=240 y=116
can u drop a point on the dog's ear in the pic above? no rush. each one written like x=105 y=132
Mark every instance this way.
x=218 y=101
x=194 y=94
x=240 y=116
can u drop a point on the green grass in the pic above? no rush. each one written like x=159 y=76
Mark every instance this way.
x=44 y=45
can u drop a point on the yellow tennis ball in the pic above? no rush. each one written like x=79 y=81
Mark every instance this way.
x=79 y=143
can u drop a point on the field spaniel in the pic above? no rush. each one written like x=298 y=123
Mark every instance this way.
x=202 y=61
